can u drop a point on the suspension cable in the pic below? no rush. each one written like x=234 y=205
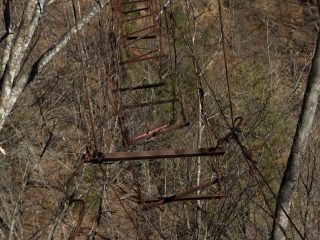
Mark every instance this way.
x=251 y=163
x=225 y=61
x=202 y=74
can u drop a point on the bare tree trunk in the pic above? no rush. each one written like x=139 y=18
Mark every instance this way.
x=16 y=73
x=304 y=126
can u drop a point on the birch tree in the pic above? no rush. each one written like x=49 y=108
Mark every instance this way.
x=17 y=68
x=303 y=130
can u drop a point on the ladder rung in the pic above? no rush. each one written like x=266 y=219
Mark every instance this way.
x=131 y=42
x=141 y=58
x=158 y=154
x=141 y=30
x=184 y=196
x=163 y=200
x=159 y=130
x=142 y=37
x=143 y=86
x=136 y=10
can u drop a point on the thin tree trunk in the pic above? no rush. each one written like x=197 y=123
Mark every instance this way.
x=15 y=74
x=304 y=127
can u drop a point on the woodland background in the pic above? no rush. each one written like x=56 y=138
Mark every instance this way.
x=269 y=48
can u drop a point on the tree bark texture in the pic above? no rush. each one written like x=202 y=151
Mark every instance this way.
x=15 y=72
x=304 y=127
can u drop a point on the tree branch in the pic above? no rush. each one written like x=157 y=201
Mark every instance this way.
x=27 y=27
x=46 y=57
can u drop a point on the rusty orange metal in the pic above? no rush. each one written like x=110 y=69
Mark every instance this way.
x=155 y=154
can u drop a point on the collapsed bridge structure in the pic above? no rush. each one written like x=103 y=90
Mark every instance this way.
x=143 y=36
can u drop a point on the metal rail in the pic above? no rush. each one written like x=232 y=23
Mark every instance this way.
x=156 y=154
x=184 y=196
x=159 y=130
x=143 y=86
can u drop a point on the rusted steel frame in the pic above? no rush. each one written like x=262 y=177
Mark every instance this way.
x=155 y=6
x=142 y=55
x=131 y=42
x=143 y=86
x=139 y=31
x=117 y=98
x=143 y=59
x=150 y=133
x=133 y=2
x=196 y=188
x=139 y=54
x=139 y=37
x=151 y=103
x=112 y=82
x=200 y=197
x=157 y=154
x=76 y=231
x=117 y=17
x=183 y=196
x=137 y=18
x=159 y=130
x=136 y=10
x=164 y=200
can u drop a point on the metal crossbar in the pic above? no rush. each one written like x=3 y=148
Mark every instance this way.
x=156 y=154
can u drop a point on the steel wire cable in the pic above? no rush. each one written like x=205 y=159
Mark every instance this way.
x=255 y=169
x=225 y=61
x=202 y=73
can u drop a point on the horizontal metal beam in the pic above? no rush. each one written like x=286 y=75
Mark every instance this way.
x=141 y=58
x=158 y=154
x=131 y=42
x=159 y=130
x=142 y=37
x=142 y=30
x=199 y=187
x=136 y=10
x=143 y=86
x=184 y=196
x=164 y=200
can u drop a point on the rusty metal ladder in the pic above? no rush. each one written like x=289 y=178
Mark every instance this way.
x=144 y=44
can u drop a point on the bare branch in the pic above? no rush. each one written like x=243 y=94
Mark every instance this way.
x=14 y=80
x=21 y=43
x=60 y=44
